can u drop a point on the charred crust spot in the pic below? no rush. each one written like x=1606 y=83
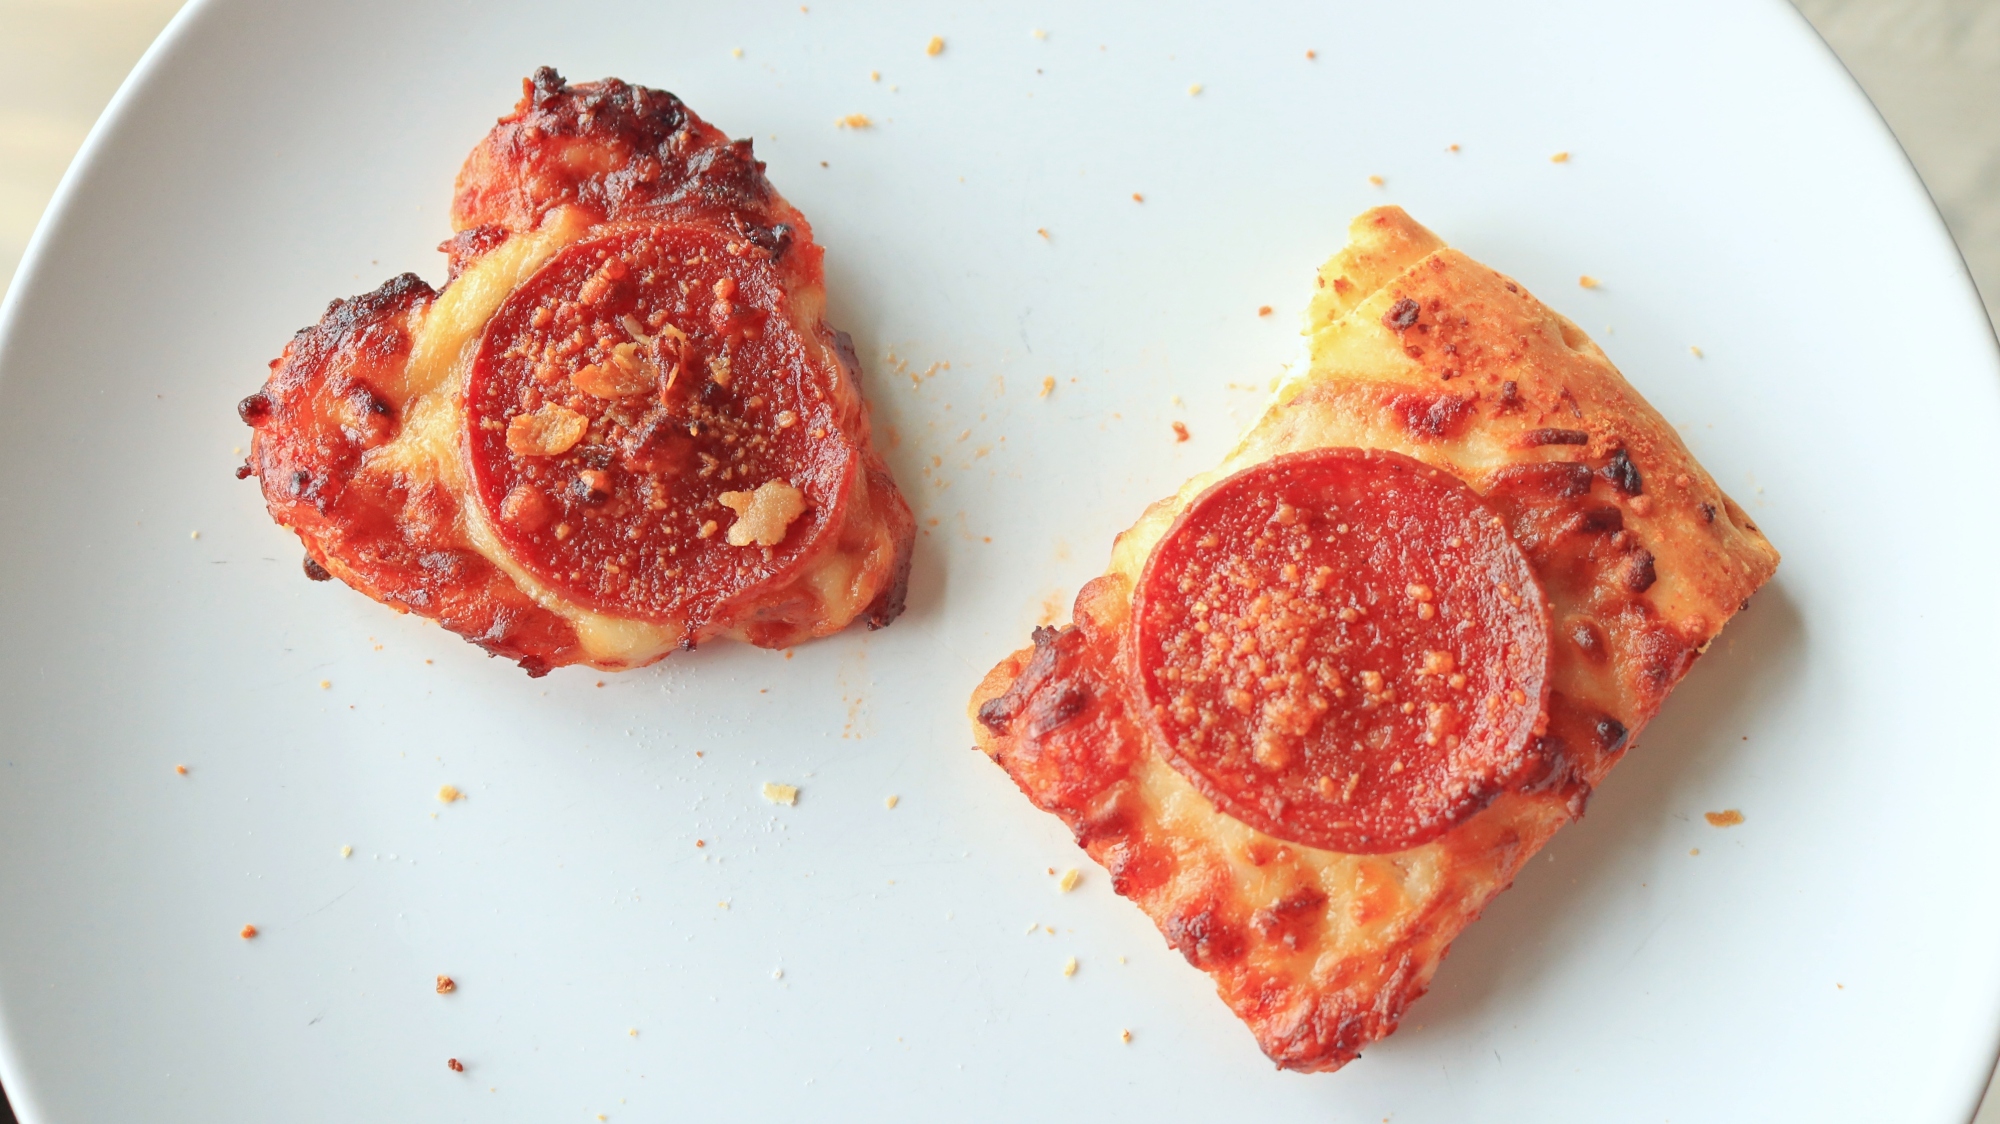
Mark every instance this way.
x=998 y=713
x=1707 y=512
x=1510 y=394
x=1402 y=314
x=391 y=296
x=1550 y=436
x=1623 y=474
x=1611 y=734
x=1206 y=940
x=1557 y=480
x=546 y=85
x=1056 y=708
x=1433 y=416
x=889 y=604
x=1639 y=574
x=1290 y=920
x=843 y=346
x=315 y=571
x=1602 y=519
x=1589 y=640
x=255 y=410
x=773 y=240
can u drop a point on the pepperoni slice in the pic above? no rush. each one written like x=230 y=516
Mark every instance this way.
x=647 y=431
x=1344 y=648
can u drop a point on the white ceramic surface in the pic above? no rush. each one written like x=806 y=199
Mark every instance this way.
x=1836 y=957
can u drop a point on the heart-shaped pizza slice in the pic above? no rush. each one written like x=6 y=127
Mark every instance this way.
x=622 y=427
x=1330 y=697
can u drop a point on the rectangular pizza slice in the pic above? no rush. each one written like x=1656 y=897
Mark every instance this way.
x=1329 y=697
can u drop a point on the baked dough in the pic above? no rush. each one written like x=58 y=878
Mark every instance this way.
x=622 y=427
x=1415 y=349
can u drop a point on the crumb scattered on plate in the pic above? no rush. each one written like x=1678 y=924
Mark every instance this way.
x=1069 y=966
x=1263 y=310
x=181 y=769
x=1694 y=351
x=446 y=985
x=781 y=793
x=1048 y=386
x=247 y=932
x=1194 y=89
x=1559 y=158
x=449 y=793
x=346 y=851
x=891 y=800
x=855 y=121
x=1588 y=282
x=454 y=1065
x=1378 y=181
x=1729 y=817
x=1068 y=880
x=935 y=47
x=1180 y=431
x=1126 y=1035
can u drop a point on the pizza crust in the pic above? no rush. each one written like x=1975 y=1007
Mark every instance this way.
x=1415 y=348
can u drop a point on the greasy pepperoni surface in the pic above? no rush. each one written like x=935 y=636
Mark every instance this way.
x=625 y=406
x=1343 y=648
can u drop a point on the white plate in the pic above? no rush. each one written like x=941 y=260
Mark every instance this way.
x=1836 y=957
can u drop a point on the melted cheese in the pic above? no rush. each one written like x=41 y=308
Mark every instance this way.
x=431 y=445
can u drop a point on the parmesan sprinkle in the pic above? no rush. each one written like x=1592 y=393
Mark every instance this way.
x=1068 y=880
x=548 y=432
x=763 y=516
x=1069 y=966
x=786 y=794
x=346 y=851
